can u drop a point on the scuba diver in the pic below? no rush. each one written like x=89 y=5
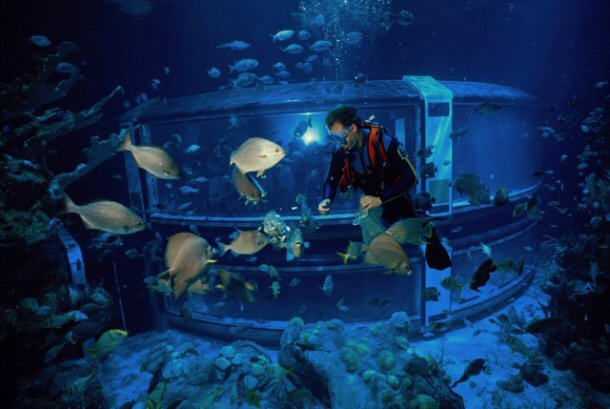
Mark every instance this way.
x=375 y=162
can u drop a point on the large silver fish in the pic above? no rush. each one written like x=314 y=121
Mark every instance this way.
x=105 y=215
x=153 y=159
x=257 y=155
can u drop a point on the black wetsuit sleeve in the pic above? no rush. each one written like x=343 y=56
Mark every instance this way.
x=398 y=166
x=334 y=174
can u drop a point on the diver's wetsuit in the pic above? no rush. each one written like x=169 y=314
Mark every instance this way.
x=392 y=186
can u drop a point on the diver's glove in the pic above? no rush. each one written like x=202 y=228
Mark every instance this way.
x=324 y=207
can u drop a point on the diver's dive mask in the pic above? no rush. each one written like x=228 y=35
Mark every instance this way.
x=338 y=136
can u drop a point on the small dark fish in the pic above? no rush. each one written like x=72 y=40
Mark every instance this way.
x=503 y=318
x=474 y=368
x=302 y=128
x=429 y=170
x=452 y=284
x=338 y=88
x=487 y=108
x=505 y=265
x=520 y=267
x=431 y=294
x=440 y=326
x=359 y=79
x=532 y=202
x=186 y=312
x=482 y=275
x=543 y=325
x=308 y=346
x=519 y=210
x=424 y=201
x=458 y=133
x=403 y=17
x=376 y=302
x=426 y=152
x=501 y=197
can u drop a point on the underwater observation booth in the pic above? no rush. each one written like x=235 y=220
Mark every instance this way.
x=418 y=110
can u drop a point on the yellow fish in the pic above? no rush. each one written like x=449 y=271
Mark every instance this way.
x=245 y=243
x=107 y=343
x=199 y=287
x=411 y=230
x=248 y=188
x=153 y=159
x=237 y=286
x=187 y=256
x=107 y=216
x=386 y=252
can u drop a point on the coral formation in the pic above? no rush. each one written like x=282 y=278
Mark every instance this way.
x=578 y=281
x=31 y=191
x=38 y=302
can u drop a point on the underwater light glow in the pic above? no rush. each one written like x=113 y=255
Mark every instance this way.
x=311 y=136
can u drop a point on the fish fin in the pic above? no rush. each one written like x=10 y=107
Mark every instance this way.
x=231 y=67
x=261 y=173
x=306 y=244
x=289 y=255
x=222 y=248
x=427 y=231
x=127 y=144
x=88 y=224
x=234 y=253
x=69 y=206
x=92 y=352
x=309 y=122
x=344 y=257
x=235 y=234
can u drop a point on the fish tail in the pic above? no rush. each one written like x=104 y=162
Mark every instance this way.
x=222 y=248
x=273 y=36
x=68 y=206
x=344 y=257
x=92 y=352
x=231 y=67
x=126 y=145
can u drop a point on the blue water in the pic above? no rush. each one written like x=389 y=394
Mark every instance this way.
x=553 y=51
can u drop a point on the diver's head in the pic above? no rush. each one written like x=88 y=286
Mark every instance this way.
x=343 y=123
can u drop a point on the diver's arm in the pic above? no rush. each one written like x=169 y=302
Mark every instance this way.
x=404 y=168
x=332 y=179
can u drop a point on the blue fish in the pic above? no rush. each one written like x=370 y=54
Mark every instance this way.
x=65 y=68
x=235 y=45
x=40 y=40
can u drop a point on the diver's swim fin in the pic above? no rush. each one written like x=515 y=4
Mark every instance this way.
x=436 y=255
